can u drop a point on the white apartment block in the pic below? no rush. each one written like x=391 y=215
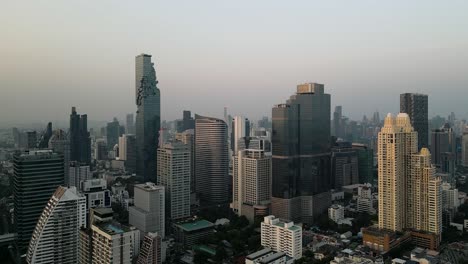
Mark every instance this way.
x=336 y=213
x=174 y=173
x=450 y=197
x=148 y=212
x=282 y=236
x=251 y=183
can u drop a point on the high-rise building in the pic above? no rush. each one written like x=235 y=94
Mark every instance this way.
x=174 y=174
x=148 y=118
x=150 y=252
x=37 y=174
x=416 y=106
x=114 y=243
x=96 y=193
x=80 y=141
x=251 y=183
x=127 y=151
x=443 y=149
x=31 y=139
x=301 y=154
x=240 y=129
x=410 y=196
x=187 y=122
x=56 y=236
x=464 y=147
x=130 y=124
x=345 y=170
x=365 y=163
x=338 y=129
x=188 y=138
x=113 y=133
x=100 y=149
x=211 y=160
x=397 y=142
x=45 y=137
x=148 y=213
x=60 y=143
x=282 y=236
x=78 y=173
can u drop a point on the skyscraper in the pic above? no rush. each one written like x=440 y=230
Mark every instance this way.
x=78 y=173
x=251 y=183
x=443 y=149
x=56 y=236
x=148 y=214
x=80 y=141
x=188 y=138
x=127 y=151
x=416 y=106
x=37 y=174
x=174 y=174
x=113 y=133
x=130 y=124
x=148 y=119
x=345 y=168
x=301 y=154
x=211 y=160
x=240 y=129
x=45 y=137
x=464 y=155
x=60 y=143
x=338 y=130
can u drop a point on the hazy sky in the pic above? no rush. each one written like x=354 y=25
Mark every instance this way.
x=247 y=55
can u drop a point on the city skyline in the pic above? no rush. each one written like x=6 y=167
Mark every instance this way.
x=357 y=48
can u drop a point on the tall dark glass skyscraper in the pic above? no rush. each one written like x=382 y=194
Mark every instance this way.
x=211 y=160
x=113 y=133
x=301 y=154
x=80 y=141
x=37 y=174
x=416 y=106
x=148 y=117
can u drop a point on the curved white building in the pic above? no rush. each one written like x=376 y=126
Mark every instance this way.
x=55 y=238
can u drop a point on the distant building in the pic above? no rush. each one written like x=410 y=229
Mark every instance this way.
x=127 y=151
x=240 y=129
x=56 y=236
x=464 y=159
x=443 y=149
x=78 y=173
x=60 y=143
x=251 y=183
x=282 y=236
x=100 y=150
x=112 y=133
x=174 y=174
x=365 y=163
x=80 y=141
x=130 y=124
x=416 y=106
x=37 y=174
x=148 y=213
x=188 y=138
x=345 y=168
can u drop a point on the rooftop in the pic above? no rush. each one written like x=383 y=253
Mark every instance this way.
x=258 y=254
x=195 y=225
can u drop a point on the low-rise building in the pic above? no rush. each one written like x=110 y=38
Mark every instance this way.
x=268 y=256
x=190 y=233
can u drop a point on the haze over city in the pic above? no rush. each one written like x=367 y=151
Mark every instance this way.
x=245 y=55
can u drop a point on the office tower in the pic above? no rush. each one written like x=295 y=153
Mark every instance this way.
x=240 y=129
x=36 y=176
x=174 y=174
x=148 y=118
x=345 y=170
x=416 y=106
x=397 y=142
x=338 y=129
x=16 y=136
x=282 y=236
x=78 y=173
x=443 y=149
x=450 y=198
x=130 y=124
x=187 y=122
x=365 y=163
x=150 y=252
x=100 y=149
x=148 y=213
x=264 y=123
x=31 y=139
x=45 y=137
x=60 y=143
x=211 y=160
x=112 y=133
x=258 y=143
x=365 y=200
x=464 y=147
x=251 y=183
x=56 y=236
x=127 y=151
x=424 y=196
x=301 y=155
x=376 y=118
x=188 y=138
x=114 y=243
x=80 y=141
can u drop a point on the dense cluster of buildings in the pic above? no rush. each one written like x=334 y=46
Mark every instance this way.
x=292 y=170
